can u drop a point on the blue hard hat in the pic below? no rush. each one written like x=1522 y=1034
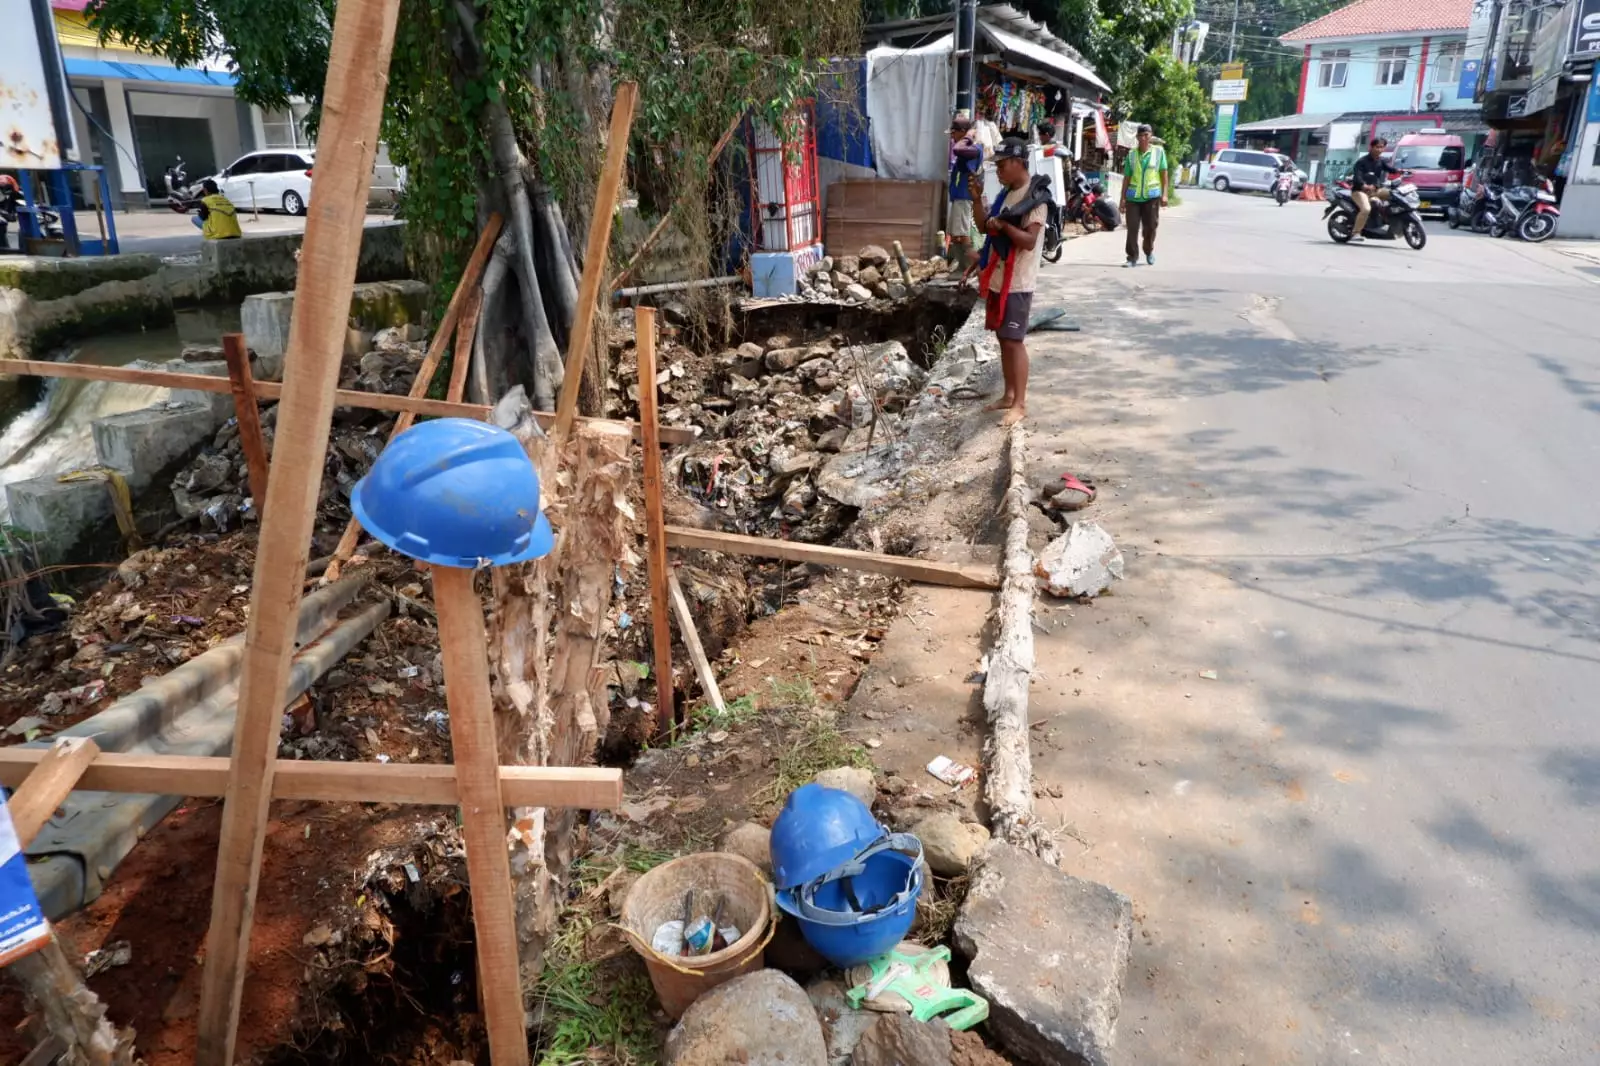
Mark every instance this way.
x=865 y=907
x=819 y=830
x=455 y=492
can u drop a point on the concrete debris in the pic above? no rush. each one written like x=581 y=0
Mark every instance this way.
x=761 y=1019
x=852 y=779
x=901 y=1040
x=1049 y=952
x=949 y=844
x=874 y=274
x=751 y=841
x=842 y=1024
x=1083 y=561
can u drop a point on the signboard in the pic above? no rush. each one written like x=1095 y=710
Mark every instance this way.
x=33 y=90
x=1586 y=29
x=1229 y=91
x=1467 y=87
x=1227 y=116
x=23 y=929
x=1232 y=71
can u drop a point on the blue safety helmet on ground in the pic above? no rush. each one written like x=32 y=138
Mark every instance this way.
x=819 y=830
x=455 y=492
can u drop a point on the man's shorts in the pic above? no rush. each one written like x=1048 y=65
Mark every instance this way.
x=960 y=227
x=1010 y=323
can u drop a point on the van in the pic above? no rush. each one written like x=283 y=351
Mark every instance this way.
x=1238 y=168
x=1437 y=162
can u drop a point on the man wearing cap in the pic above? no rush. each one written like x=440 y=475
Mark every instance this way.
x=1010 y=273
x=966 y=162
x=1144 y=194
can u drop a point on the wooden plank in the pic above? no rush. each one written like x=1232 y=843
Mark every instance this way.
x=358 y=66
x=463 y=640
x=430 y=363
x=272 y=390
x=49 y=781
x=655 y=519
x=594 y=256
x=251 y=440
x=697 y=651
x=466 y=333
x=932 y=573
x=432 y=784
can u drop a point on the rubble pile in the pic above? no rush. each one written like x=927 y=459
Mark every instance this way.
x=215 y=486
x=870 y=274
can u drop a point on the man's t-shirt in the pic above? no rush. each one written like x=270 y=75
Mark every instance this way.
x=965 y=162
x=1142 y=172
x=1371 y=172
x=1025 y=271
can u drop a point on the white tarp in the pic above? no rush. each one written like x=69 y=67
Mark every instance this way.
x=908 y=105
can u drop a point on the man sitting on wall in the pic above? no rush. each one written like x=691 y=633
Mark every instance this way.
x=217 y=218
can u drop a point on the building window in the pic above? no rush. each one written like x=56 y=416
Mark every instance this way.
x=1333 y=68
x=1447 y=67
x=1392 y=65
x=286 y=129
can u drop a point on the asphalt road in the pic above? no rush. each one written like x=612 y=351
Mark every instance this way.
x=1360 y=485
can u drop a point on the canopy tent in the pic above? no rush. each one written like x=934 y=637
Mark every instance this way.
x=1286 y=123
x=1038 y=60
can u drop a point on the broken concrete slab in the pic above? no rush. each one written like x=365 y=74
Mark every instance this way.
x=1049 y=952
x=1083 y=561
x=761 y=1019
x=842 y=1024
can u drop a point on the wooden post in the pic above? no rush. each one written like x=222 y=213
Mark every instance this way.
x=47 y=785
x=463 y=640
x=465 y=290
x=251 y=440
x=691 y=640
x=466 y=333
x=594 y=256
x=655 y=519
x=358 y=65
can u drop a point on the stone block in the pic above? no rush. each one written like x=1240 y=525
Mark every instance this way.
x=219 y=403
x=140 y=444
x=264 y=319
x=1049 y=952
x=59 y=512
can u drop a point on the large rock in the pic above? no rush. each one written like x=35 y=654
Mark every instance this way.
x=852 y=779
x=788 y=358
x=870 y=276
x=873 y=255
x=761 y=1019
x=842 y=1024
x=750 y=841
x=901 y=1040
x=858 y=293
x=1083 y=561
x=949 y=844
x=1049 y=952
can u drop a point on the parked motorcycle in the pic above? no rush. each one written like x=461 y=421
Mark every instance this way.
x=1528 y=211
x=1283 y=187
x=1053 y=242
x=1398 y=216
x=1087 y=204
x=179 y=189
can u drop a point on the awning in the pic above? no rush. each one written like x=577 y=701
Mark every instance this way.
x=100 y=68
x=1289 y=122
x=1038 y=56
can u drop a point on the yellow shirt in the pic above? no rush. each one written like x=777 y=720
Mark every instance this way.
x=222 y=220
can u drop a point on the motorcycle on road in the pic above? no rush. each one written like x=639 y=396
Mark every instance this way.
x=1283 y=187
x=1527 y=211
x=1398 y=216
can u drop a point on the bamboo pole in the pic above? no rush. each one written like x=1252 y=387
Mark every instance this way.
x=463 y=640
x=594 y=257
x=358 y=64
x=952 y=574
x=655 y=520
x=248 y=413
x=691 y=641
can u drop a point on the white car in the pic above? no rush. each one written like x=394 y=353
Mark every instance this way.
x=276 y=180
x=1239 y=168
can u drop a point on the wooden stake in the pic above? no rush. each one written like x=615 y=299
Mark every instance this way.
x=466 y=333
x=466 y=293
x=272 y=390
x=48 y=784
x=463 y=640
x=655 y=519
x=594 y=257
x=358 y=64
x=961 y=577
x=251 y=440
x=661 y=227
x=691 y=640
x=585 y=787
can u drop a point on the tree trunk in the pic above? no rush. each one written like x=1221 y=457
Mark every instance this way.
x=550 y=699
x=69 y=1011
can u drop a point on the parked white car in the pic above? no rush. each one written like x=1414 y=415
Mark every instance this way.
x=276 y=180
x=1238 y=168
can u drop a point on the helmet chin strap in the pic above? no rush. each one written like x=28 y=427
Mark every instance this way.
x=801 y=901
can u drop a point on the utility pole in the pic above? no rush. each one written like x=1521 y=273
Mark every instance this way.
x=966 y=45
x=1233 y=34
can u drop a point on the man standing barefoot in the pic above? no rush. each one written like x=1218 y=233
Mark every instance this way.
x=1011 y=269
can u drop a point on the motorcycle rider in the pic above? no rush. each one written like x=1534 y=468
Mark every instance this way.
x=1368 y=184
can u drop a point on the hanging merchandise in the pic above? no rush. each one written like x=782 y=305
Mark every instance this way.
x=1013 y=105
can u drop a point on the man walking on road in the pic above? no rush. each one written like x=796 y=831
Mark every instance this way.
x=1144 y=194
x=1367 y=185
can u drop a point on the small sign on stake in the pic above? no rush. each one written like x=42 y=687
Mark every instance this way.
x=23 y=928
